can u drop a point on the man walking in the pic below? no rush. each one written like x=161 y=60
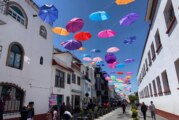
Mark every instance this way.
x=2 y=104
x=144 y=110
x=153 y=110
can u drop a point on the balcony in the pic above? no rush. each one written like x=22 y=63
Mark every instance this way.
x=2 y=12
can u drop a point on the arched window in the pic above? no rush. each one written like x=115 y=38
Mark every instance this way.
x=12 y=96
x=17 y=12
x=15 y=56
x=43 y=32
x=41 y=60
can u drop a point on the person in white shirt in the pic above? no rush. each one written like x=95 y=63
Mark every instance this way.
x=153 y=110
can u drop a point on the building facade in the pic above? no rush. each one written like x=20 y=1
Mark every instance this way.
x=158 y=74
x=25 y=58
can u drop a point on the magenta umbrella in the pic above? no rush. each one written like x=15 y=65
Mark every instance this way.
x=106 y=33
x=72 y=44
x=112 y=49
x=129 y=73
x=75 y=25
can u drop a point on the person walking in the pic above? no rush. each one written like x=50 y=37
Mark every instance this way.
x=54 y=113
x=124 y=106
x=2 y=104
x=62 y=110
x=144 y=110
x=24 y=113
x=153 y=110
x=30 y=111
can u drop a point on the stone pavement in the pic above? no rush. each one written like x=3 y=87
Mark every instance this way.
x=118 y=115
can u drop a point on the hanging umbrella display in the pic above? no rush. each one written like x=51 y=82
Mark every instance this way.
x=99 y=16
x=113 y=78
x=72 y=45
x=112 y=49
x=48 y=13
x=113 y=65
x=124 y=2
x=129 y=19
x=81 y=48
x=129 y=60
x=86 y=55
x=128 y=77
x=106 y=33
x=97 y=59
x=82 y=36
x=121 y=65
x=130 y=40
x=62 y=43
x=75 y=25
x=100 y=63
x=95 y=51
x=128 y=73
x=110 y=58
x=88 y=59
x=60 y=31
x=112 y=72
x=120 y=73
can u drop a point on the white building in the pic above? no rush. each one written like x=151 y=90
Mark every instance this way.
x=158 y=75
x=25 y=58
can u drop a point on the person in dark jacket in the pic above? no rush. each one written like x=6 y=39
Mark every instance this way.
x=144 y=110
x=30 y=109
x=2 y=104
x=24 y=113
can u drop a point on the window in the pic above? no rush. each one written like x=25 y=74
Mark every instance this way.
x=148 y=92
x=68 y=79
x=78 y=80
x=146 y=64
x=67 y=100
x=0 y=50
x=150 y=60
x=159 y=86
x=169 y=15
x=158 y=41
x=41 y=60
x=165 y=82
x=43 y=32
x=15 y=56
x=73 y=78
x=153 y=51
x=18 y=13
x=60 y=79
x=155 y=89
x=177 y=68
x=12 y=96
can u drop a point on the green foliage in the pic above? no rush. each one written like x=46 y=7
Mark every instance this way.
x=132 y=98
x=133 y=107
x=134 y=113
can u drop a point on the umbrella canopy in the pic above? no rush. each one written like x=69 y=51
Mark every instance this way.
x=130 y=40
x=110 y=58
x=97 y=59
x=99 y=16
x=48 y=13
x=112 y=72
x=113 y=65
x=60 y=31
x=128 y=73
x=72 y=45
x=121 y=65
x=100 y=63
x=129 y=19
x=124 y=2
x=129 y=60
x=112 y=49
x=81 y=48
x=82 y=36
x=120 y=73
x=75 y=25
x=88 y=59
x=86 y=55
x=95 y=51
x=106 y=33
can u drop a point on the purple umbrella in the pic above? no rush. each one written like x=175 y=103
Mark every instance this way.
x=72 y=45
x=110 y=58
x=130 y=40
x=74 y=25
x=129 y=19
x=129 y=60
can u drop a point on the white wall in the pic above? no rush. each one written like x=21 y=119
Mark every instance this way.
x=35 y=46
x=164 y=61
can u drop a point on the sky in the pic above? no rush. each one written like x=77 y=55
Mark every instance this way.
x=69 y=9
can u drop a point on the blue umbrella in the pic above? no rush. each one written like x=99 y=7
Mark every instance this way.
x=99 y=16
x=86 y=55
x=95 y=51
x=121 y=65
x=48 y=13
x=130 y=40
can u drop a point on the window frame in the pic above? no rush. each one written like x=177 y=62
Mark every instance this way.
x=155 y=88
x=43 y=32
x=160 y=93
x=79 y=80
x=74 y=78
x=165 y=81
x=158 y=43
x=59 y=82
x=149 y=58
x=153 y=51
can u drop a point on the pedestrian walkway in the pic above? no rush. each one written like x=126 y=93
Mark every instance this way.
x=118 y=115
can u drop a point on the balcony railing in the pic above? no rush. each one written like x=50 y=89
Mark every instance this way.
x=3 y=4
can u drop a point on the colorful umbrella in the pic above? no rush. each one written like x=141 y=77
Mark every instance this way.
x=86 y=55
x=99 y=16
x=123 y=2
x=72 y=45
x=113 y=65
x=129 y=19
x=110 y=58
x=82 y=36
x=120 y=73
x=129 y=60
x=128 y=77
x=74 y=25
x=128 y=73
x=81 y=48
x=95 y=51
x=121 y=65
x=97 y=59
x=60 y=31
x=48 y=13
x=112 y=49
x=106 y=33
x=113 y=78
x=100 y=63
x=130 y=40
x=88 y=59
x=112 y=72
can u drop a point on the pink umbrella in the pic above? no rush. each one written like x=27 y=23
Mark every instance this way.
x=106 y=33
x=113 y=65
x=74 y=25
x=88 y=59
x=97 y=59
x=128 y=73
x=112 y=49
